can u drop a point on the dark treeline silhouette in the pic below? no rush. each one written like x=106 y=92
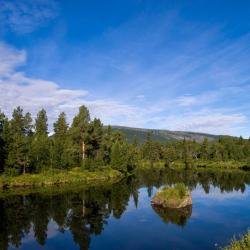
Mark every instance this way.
x=85 y=212
x=25 y=146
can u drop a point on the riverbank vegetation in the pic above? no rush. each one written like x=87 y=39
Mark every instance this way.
x=26 y=148
x=224 y=153
x=242 y=244
x=58 y=177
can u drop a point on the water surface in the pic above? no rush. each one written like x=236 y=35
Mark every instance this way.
x=120 y=216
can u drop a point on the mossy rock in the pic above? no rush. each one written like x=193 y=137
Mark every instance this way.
x=173 y=197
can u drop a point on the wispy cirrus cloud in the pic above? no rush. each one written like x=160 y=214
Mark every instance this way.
x=17 y=89
x=25 y=16
x=142 y=73
x=10 y=58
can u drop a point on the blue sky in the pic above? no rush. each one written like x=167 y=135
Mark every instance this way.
x=179 y=65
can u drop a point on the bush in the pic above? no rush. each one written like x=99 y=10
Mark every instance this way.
x=242 y=244
x=181 y=189
x=11 y=172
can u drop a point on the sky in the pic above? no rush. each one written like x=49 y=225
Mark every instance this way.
x=177 y=65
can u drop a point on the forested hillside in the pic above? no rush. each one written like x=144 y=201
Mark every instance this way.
x=140 y=134
x=26 y=147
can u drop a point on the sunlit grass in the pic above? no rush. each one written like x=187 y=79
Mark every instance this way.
x=241 y=244
x=47 y=178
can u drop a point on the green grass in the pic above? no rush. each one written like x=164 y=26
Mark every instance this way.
x=220 y=164
x=172 y=196
x=196 y=164
x=241 y=244
x=50 y=178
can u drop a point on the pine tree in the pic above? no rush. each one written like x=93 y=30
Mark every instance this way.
x=3 y=152
x=169 y=155
x=93 y=138
x=41 y=143
x=77 y=135
x=59 y=149
x=204 y=149
x=19 y=146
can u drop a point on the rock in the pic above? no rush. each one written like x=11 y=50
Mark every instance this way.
x=176 y=197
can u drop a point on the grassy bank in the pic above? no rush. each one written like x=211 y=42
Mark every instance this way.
x=222 y=165
x=50 y=178
x=241 y=244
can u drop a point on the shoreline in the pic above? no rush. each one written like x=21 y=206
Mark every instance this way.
x=196 y=165
x=241 y=244
x=59 y=178
x=78 y=176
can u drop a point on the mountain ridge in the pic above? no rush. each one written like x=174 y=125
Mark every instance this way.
x=163 y=135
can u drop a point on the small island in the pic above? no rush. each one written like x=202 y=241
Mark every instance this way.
x=173 y=197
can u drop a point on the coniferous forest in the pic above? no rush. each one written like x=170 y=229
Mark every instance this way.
x=27 y=147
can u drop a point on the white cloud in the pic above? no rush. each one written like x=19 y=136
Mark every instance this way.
x=16 y=88
x=10 y=58
x=186 y=100
x=26 y=15
x=209 y=121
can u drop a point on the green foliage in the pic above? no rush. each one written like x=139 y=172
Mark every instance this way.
x=123 y=157
x=19 y=148
x=242 y=244
x=171 y=197
x=151 y=150
x=77 y=135
x=40 y=143
x=181 y=189
x=3 y=143
x=27 y=148
x=52 y=177
x=169 y=155
x=58 y=149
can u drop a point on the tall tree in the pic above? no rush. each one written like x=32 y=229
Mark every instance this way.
x=41 y=143
x=19 y=145
x=3 y=120
x=205 y=149
x=78 y=132
x=59 y=154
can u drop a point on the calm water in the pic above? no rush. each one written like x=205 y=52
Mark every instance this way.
x=121 y=217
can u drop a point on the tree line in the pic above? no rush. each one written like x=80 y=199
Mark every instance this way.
x=26 y=146
x=226 y=148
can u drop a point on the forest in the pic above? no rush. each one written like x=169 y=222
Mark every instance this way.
x=26 y=146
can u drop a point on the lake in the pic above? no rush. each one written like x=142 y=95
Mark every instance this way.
x=120 y=216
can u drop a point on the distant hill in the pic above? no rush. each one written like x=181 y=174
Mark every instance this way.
x=162 y=135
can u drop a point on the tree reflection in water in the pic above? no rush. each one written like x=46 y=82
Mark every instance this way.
x=85 y=211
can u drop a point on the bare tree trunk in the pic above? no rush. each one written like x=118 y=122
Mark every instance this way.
x=83 y=150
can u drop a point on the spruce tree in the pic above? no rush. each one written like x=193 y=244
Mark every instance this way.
x=77 y=135
x=41 y=144
x=59 y=154
x=19 y=155
x=3 y=119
